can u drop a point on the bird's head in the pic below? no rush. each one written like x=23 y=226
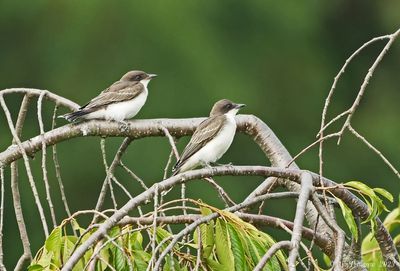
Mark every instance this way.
x=138 y=76
x=225 y=107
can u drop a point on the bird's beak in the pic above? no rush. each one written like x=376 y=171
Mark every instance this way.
x=151 y=76
x=238 y=106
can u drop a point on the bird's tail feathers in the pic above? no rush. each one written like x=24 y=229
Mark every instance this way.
x=74 y=116
x=176 y=168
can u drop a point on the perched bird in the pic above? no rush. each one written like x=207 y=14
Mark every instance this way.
x=211 y=139
x=121 y=101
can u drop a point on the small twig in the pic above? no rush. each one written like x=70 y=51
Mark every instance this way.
x=154 y=225
x=310 y=146
x=123 y=188
x=199 y=250
x=369 y=145
x=271 y=252
x=313 y=240
x=57 y=166
x=222 y=194
x=171 y=141
x=108 y=172
x=168 y=164
x=134 y=176
x=44 y=168
x=27 y=166
x=333 y=121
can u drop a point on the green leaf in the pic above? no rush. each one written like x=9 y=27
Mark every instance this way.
x=223 y=245
x=362 y=187
x=215 y=266
x=237 y=249
x=136 y=240
x=35 y=267
x=384 y=193
x=54 y=241
x=53 y=244
x=141 y=259
x=349 y=218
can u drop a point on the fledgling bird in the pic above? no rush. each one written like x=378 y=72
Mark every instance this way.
x=212 y=137
x=121 y=101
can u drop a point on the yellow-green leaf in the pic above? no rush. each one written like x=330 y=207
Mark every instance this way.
x=349 y=218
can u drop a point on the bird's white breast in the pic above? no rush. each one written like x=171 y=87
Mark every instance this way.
x=214 y=149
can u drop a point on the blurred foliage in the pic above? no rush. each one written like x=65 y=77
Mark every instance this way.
x=279 y=58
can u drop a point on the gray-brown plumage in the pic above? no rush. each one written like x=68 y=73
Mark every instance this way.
x=212 y=137
x=122 y=100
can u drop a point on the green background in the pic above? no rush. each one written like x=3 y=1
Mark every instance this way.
x=278 y=57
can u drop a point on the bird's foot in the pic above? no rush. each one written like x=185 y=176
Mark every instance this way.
x=123 y=126
x=230 y=164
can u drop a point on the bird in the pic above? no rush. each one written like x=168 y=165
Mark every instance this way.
x=120 y=101
x=211 y=139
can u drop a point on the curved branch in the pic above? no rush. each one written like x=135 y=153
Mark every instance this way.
x=48 y=95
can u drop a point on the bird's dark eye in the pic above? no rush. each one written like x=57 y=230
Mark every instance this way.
x=138 y=77
x=228 y=106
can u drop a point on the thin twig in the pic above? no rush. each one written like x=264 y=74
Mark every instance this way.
x=199 y=250
x=222 y=194
x=134 y=176
x=154 y=226
x=171 y=141
x=44 y=168
x=108 y=172
x=57 y=166
x=369 y=145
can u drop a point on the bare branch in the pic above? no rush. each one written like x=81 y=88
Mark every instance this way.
x=27 y=255
x=48 y=95
x=306 y=190
x=27 y=166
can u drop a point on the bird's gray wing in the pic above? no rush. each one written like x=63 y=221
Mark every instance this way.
x=203 y=134
x=118 y=92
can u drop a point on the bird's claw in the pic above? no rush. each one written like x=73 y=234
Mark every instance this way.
x=123 y=126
